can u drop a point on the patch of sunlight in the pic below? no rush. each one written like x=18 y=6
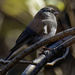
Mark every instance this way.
x=34 y=6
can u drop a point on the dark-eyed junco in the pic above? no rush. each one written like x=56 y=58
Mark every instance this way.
x=43 y=25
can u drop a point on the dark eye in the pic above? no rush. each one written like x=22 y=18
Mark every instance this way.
x=52 y=11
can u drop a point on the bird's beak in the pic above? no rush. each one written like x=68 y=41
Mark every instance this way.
x=56 y=13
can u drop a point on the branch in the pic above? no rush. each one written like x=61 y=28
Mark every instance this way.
x=34 y=47
x=4 y=62
x=58 y=59
x=50 y=55
x=30 y=68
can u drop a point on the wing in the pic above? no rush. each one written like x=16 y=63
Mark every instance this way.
x=26 y=34
x=25 y=37
x=33 y=29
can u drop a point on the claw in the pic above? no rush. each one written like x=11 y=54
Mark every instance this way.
x=46 y=48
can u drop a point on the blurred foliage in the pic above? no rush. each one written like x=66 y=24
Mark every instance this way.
x=13 y=7
x=58 y=3
x=16 y=14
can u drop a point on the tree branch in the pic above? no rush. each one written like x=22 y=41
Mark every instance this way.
x=34 y=47
x=30 y=68
x=50 y=55
x=58 y=59
x=4 y=62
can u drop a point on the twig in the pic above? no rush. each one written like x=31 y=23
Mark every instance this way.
x=58 y=59
x=50 y=55
x=29 y=69
x=34 y=47
x=47 y=50
x=4 y=62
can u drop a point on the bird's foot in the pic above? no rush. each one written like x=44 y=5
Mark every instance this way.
x=45 y=48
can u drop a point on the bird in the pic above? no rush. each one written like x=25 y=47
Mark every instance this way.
x=43 y=25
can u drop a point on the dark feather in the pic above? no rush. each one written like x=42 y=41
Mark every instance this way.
x=28 y=36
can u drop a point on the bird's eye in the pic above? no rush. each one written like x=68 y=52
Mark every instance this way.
x=43 y=10
x=52 y=11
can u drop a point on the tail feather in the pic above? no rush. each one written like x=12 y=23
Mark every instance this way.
x=17 y=46
x=12 y=51
x=9 y=55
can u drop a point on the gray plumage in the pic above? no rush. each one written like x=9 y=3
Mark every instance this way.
x=43 y=25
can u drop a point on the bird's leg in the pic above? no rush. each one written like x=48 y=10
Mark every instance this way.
x=45 y=48
x=47 y=51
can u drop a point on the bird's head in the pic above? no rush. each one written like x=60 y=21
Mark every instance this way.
x=46 y=12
